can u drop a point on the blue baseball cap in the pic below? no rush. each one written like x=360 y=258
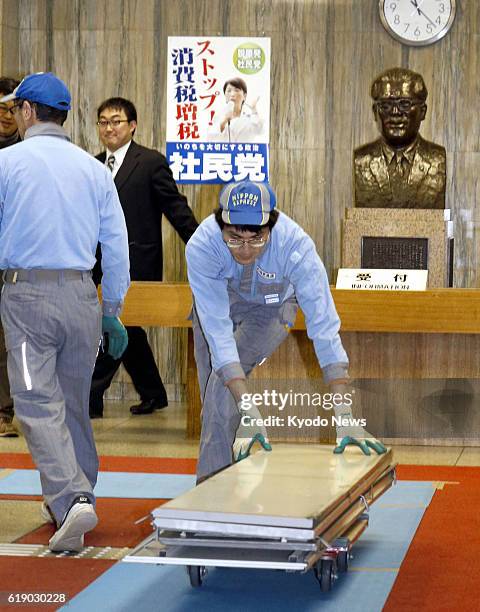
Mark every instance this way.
x=247 y=203
x=44 y=88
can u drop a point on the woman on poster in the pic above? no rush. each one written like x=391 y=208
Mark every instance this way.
x=238 y=121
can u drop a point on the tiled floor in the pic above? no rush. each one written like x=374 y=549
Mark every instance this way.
x=162 y=434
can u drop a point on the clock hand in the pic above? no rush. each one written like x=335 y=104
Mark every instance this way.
x=420 y=12
x=415 y=4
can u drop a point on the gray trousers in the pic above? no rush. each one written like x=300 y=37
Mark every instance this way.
x=52 y=332
x=258 y=331
x=6 y=402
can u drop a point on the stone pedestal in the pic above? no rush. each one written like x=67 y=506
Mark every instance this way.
x=399 y=238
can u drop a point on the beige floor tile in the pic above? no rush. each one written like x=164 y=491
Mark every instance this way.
x=161 y=434
x=470 y=457
x=13 y=445
x=426 y=455
x=19 y=518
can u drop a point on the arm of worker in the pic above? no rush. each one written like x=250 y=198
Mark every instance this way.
x=172 y=203
x=115 y=268
x=308 y=276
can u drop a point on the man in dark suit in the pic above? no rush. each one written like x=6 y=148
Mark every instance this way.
x=147 y=191
x=400 y=169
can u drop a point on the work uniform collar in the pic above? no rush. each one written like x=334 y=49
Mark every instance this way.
x=46 y=128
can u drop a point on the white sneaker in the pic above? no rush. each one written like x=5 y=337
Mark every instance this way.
x=46 y=514
x=79 y=519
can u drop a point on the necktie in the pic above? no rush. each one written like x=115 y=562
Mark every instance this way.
x=399 y=171
x=111 y=162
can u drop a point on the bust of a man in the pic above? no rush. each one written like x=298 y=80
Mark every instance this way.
x=400 y=169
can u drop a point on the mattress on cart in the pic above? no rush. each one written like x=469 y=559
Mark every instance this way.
x=295 y=488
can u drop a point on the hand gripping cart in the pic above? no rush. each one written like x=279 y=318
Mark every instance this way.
x=296 y=508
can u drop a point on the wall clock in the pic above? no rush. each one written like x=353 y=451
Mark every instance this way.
x=417 y=22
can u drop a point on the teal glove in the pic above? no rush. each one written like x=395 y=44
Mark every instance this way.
x=117 y=336
x=349 y=431
x=363 y=443
x=249 y=432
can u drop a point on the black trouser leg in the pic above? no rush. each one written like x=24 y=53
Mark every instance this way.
x=104 y=371
x=140 y=364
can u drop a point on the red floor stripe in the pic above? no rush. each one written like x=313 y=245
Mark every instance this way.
x=442 y=567
x=438 y=472
x=31 y=575
x=148 y=465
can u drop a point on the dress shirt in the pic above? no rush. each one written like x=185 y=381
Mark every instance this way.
x=56 y=203
x=119 y=155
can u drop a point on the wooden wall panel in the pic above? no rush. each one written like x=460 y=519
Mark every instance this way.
x=325 y=55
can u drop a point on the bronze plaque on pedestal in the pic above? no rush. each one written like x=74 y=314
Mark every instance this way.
x=394 y=253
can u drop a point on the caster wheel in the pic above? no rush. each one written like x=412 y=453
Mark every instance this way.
x=324 y=572
x=196 y=574
x=342 y=561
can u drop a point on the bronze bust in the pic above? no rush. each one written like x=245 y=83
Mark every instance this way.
x=400 y=169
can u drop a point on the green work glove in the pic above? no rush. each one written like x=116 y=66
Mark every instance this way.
x=249 y=431
x=117 y=336
x=350 y=433
x=365 y=442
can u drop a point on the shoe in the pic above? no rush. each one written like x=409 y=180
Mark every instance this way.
x=7 y=428
x=47 y=514
x=95 y=414
x=148 y=406
x=79 y=519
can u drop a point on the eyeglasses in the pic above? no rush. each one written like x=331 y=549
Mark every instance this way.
x=114 y=123
x=403 y=105
x=9 y=110
x=236 y=243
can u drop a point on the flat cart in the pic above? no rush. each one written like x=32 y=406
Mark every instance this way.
x=297 y=508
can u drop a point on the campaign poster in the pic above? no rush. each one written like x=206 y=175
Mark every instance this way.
x=218 y=108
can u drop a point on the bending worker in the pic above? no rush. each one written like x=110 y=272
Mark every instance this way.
x=249 y=267
x=56 y=203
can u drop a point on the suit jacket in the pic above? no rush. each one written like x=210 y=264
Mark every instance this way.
x=424 y=186
x=147 y=191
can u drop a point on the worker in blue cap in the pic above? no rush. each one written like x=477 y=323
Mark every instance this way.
x=250 y=267
x=56 y=203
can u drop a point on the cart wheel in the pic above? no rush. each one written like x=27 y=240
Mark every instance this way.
x=196 y=574
x=324 y=573
x=342 y=561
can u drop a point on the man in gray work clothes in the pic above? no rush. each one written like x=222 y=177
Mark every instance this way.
x=56 y=203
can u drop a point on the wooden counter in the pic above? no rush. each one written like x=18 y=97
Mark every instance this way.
x=448 y=311
x=408 y=340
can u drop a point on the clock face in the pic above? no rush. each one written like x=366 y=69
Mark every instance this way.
x=417 y=22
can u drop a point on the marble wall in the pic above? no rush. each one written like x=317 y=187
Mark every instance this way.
x=325 y=54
